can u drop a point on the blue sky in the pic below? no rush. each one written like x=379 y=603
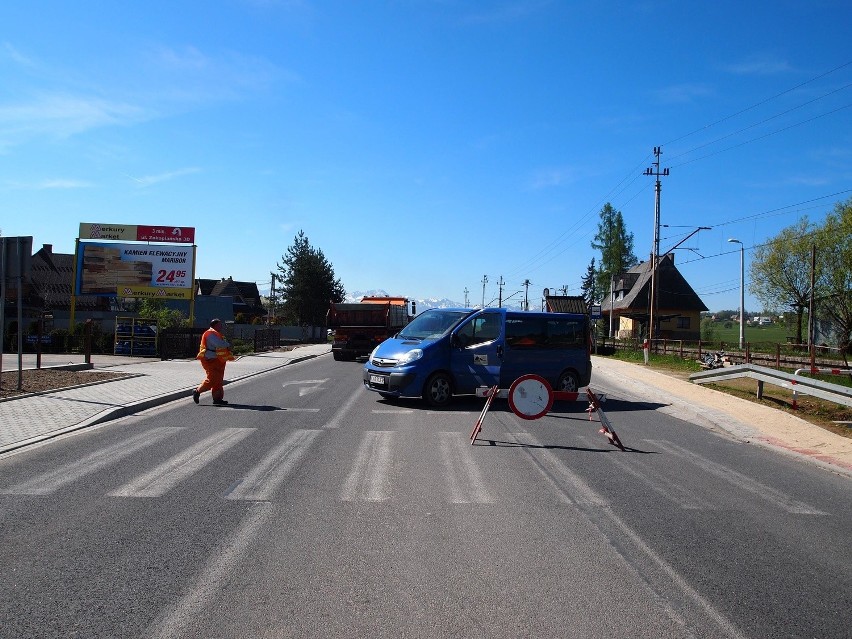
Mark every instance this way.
x=423 y=144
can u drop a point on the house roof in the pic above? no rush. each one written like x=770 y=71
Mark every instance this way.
x=566 y=304
x=246 y=295
x=673 y=291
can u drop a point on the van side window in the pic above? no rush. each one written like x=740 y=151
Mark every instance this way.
x=544 y=334
x=565 y=334
x=484 y=328
x=525 y=333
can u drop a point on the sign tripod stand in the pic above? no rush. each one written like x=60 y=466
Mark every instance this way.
x=531 y=397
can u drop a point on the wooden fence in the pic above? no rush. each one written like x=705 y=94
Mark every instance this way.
x=775 y=355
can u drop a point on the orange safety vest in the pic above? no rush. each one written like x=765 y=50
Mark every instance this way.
x=223 y=353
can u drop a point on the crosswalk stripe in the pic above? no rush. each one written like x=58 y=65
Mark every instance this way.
x=369 y=477
x=53 y=480
x=463 y=477
x=262 y=482
x=170 y=473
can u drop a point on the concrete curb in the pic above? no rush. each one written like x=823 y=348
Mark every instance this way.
x=117 y=412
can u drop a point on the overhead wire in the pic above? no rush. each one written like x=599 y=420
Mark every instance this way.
x=554 y=249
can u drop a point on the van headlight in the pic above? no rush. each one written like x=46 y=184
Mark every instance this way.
x=411 y=356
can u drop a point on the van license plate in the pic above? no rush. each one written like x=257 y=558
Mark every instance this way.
x=378 y=380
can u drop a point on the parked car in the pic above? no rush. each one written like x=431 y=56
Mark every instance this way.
x=446 y=352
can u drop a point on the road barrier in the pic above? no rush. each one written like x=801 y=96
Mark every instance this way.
x=815 y=387
x=531 y=397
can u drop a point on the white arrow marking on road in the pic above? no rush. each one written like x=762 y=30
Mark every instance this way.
x=312 y=385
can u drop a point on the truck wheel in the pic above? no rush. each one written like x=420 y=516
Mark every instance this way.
x=337 y=356
x=438 y=390
x=568 y=382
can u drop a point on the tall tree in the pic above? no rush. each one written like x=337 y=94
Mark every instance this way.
x=307 y=284
x=589 y=287
x=615 y=245
x=835 y=249
x=780 y=270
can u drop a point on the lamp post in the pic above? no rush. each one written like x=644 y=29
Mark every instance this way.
x=742 y=291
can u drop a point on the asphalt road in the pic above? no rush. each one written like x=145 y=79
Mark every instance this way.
x=311 y=508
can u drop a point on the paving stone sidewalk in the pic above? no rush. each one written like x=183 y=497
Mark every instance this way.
x=33 y=418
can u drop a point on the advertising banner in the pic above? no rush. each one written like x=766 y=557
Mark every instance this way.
x=150 y=292
x=108 y=269
x=137 y=233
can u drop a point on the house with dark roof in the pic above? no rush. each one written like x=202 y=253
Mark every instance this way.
x=246 y=297
x=677 y=313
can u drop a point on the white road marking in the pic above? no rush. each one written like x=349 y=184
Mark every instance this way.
x=737 y=479
x=369 y=477
x=557 y=473
x=51 y=481
x=311 y=385
x=262 y=482
x=681 y=601
x=180 y=618
x=338 y=416
x=169 y=474
x=463 y=477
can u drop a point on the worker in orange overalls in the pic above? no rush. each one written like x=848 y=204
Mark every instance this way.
x=214 y=353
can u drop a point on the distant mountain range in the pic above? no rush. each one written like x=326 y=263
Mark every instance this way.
x=422 y=304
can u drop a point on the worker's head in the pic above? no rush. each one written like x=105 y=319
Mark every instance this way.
x=215 y=323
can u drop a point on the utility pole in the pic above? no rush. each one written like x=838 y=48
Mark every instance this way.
x=465 y=297
x=484 y=282
x=655 y=255
x=500 y=286
x=526 y=286
x=272 y=297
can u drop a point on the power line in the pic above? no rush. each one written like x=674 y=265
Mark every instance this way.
x=762 y=137
x=762 y=102
x=764 y=121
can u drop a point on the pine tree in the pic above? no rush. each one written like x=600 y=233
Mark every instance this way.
x=589 y=286
x=615 y=245
x=307 y=284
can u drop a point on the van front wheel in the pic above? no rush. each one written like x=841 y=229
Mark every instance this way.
x=568 y=382
x=438 y=390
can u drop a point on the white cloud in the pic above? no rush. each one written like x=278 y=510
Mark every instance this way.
x=50 y=184
x=554 y=176
x=759 y=65
x=64 y=115
x=13 y=54
x=148 y=180
x=682 y=93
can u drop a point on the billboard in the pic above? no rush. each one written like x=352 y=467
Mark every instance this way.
x=114 y=269
x=137 y=233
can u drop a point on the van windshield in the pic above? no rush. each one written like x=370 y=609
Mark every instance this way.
x=432 y=324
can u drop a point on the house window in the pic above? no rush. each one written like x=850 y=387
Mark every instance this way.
x=683 y=322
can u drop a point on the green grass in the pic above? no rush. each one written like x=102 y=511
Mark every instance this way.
x=669 y=362
x=773 y=333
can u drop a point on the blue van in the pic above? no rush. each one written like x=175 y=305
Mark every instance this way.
x=452 y=351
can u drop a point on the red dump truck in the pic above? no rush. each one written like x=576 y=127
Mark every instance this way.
x=358 y=328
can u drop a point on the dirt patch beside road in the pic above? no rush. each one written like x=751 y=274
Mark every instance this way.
x=48 y=379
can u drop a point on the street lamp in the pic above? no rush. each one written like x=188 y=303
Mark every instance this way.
x=742 y=290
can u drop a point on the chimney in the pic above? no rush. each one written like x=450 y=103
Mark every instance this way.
x=47 y=248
